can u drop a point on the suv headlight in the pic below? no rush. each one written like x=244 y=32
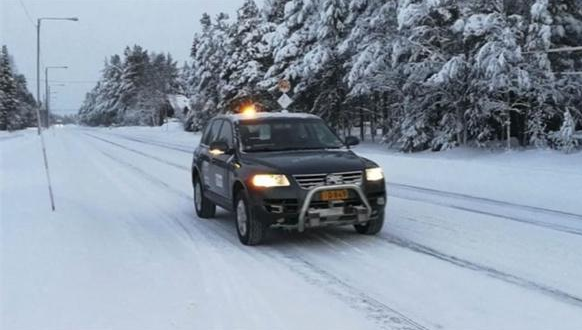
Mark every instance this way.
x=270 y=180
x=374 y=174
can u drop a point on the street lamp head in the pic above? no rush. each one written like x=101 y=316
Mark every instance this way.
x=74 y=19
x=56 y=67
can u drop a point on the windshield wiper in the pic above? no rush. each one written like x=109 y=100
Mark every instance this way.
x=319 y=148
x=297 y=148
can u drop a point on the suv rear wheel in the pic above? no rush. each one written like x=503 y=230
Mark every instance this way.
x=204 y=207
x=251 y=230
x=373 y=226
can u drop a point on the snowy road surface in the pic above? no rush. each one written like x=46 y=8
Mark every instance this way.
x=472 y=241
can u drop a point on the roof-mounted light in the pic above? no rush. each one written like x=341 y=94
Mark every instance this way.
x=249 y=110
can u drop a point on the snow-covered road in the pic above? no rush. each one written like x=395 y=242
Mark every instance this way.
x=497 y=249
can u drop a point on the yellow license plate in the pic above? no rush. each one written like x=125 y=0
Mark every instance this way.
x=334 y=195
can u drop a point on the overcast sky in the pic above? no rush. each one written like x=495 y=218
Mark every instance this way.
x=104 y=28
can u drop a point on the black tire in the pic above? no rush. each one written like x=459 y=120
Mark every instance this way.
x=254 y=231
x=205 y=209
x=372 y=227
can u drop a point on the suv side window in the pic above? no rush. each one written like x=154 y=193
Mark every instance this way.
x=226 y=134
x=206 y=133
x=212 y=132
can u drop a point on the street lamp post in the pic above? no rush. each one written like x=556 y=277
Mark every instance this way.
x=47 y=91
x=38 y=23
x=46 y=165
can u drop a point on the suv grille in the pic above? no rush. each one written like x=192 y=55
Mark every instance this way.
x=308 y=181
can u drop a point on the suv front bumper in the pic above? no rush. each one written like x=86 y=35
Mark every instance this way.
x=332 y=214
x=293 y=208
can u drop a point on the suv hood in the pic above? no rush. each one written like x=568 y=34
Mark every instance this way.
x=309 y=161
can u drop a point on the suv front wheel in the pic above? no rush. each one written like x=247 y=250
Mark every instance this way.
x=373 y=226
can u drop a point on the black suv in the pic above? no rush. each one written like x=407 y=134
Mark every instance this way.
x=285 y=170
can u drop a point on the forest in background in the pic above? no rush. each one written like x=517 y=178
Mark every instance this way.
x=427 y=74
x=17 y=105
x=133 y=90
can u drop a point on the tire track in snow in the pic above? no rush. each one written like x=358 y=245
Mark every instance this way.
x=410 y=245
x=487 y=201
x=181 y=167
x=489 y=271
x=10 y=137
x=552 y=226
x=385 y=316
x=173 y=146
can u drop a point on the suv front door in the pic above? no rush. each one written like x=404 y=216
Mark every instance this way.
x=221 y=163
x=206 y=168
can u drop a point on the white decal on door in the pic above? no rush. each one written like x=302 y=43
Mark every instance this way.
x=218 y=180
x=205 y=166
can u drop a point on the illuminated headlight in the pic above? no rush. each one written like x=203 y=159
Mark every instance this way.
x=374 y=174
x=270 y=180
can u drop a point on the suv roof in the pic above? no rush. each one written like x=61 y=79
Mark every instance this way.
x=264 y=115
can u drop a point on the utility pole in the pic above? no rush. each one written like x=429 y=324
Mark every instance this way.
x=38 y=24
x=47 y=91
x=46 y=165
x=38 y=73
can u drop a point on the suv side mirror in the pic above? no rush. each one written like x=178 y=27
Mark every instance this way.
x=219 y=148
x=352 y=141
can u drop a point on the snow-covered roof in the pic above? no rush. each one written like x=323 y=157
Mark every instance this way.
x=178 y=102
x=261 y=115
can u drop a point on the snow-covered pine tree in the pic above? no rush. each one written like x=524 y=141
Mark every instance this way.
x=133 y=78
x=132 y=90
x=184 y=73
x=304 y=50
x=433 y=63
x=289 y=42
x=373 y=82
x=552 y=25
x=86 y=108
x=209 y=53
x=564 y=139
x=274 y=11
x=567 y=32
x=161 y=77
x=538 y=41
x=9 y=118
x=438 y=73
x=27 y=103
x=323 y=65
x=248 y=56
x=109 y=93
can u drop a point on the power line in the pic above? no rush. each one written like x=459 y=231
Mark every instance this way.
x=75 y=81
x=27 y=13
x=30 y=19
x=565 y=49
x=555 y=50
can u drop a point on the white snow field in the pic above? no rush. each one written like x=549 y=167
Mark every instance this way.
x=474 y=240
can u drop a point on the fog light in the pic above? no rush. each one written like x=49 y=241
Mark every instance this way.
x=381 y=201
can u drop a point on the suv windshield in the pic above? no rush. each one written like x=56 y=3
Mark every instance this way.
x=286 y=134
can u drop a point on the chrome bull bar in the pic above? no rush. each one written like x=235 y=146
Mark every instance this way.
x=310 y=195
